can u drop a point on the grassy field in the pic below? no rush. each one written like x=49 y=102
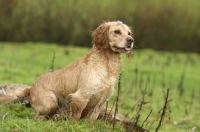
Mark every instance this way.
x=152 y=70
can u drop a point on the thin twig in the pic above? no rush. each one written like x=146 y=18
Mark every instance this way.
x=52 y=63
x=146 y=118
x=112 y=108
x=163 y=110
x=192 y=99
x=133 y=123
x=136 y=118
x=117 y=99
x=104 y=118
x=153 y=86
x=142 y=101
x=151 y=124
x=136 y=78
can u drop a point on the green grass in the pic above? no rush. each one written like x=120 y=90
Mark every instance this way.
x=22 y=64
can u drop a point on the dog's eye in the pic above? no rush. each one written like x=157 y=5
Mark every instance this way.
x=129 y=33
x=117 y=32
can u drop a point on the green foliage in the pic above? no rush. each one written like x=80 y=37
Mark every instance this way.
x=169 y=25
x=153 y=70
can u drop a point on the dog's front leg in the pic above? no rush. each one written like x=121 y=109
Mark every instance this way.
x=74 y=107
x=93 y=115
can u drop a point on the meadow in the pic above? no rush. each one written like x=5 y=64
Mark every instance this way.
x=145 y=80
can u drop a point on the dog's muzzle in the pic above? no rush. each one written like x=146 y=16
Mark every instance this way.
x=130 y=42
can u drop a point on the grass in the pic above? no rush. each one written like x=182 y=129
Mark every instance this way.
x=20 y=119
x=152 y=70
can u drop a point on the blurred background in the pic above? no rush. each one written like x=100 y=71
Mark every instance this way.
x=162 y=25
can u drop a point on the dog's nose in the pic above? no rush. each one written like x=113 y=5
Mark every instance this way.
x=129 y=40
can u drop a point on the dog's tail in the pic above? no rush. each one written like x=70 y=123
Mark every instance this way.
x=16 y=96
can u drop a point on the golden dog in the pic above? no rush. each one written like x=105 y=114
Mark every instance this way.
x=85 y=84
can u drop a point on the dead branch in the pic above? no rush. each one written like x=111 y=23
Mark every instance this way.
x=141 y=80
x=104 y=118
x=52 y=63
x=146 y=118
x=136 y=74
x=192 y=99
x=153 y=86
x=163 y=110
x=134 y=123
x=117 y=99
x=142 y=102
x=151 y=124
x=180 y=86
x=163 y=78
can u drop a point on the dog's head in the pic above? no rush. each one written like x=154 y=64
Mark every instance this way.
x=114 y=36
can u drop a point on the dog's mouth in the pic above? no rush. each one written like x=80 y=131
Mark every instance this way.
x=126 y=49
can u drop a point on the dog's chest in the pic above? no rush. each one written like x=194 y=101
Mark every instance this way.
x=102 y=88
x=98 y=79
x=99 y=96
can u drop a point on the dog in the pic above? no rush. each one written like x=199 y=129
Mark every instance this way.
x=85 y=84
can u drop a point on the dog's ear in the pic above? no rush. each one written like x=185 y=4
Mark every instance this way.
x=100 y=37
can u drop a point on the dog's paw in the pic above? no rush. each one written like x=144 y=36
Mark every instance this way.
x=57 y=117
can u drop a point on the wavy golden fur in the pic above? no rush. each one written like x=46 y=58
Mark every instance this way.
x=87 y=83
